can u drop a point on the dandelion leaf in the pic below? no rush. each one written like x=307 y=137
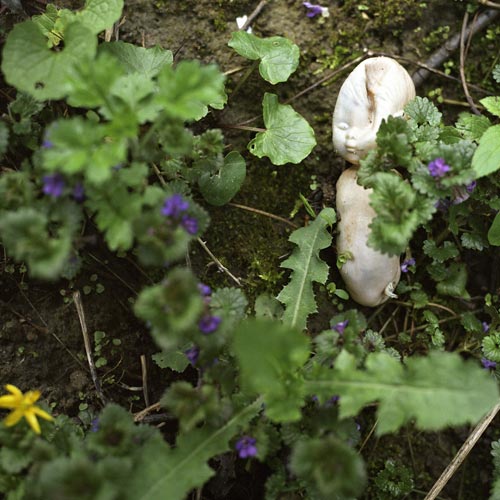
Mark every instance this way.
x=435 y=391
x=307 y=268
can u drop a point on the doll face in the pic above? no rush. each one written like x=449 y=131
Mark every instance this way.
x=354 y=133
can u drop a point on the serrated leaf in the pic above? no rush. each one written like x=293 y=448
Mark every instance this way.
x=174 y=359
x=436 y=391
x=135 y=59
x=486 y=159
x=307 y=268
x=440 y=254
x=472 y=126
x=186 y=90
x=98 y=15
x=492 y=104
x=496 y=73
x=454 y=282
x=219 y=188
x=29 y=65
x=421 y=110
x=279 y=56
x=494 y=231
x=270 y=355
x=174 y=472
x=288 y=137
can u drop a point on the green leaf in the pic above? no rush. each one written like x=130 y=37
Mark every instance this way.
x=307 y=267
x=145 y=61
x=26 y=236
x=494 y=231
x=440 y=254
x=496 y=73
x=491 y=347
x=436 y=391
x=174 y=472
x=337 y=469
x=29 y=65
x=219 y=189
x=279 y=57
x=97 y=15
x=486 y=159
x=454 y=282
x=492 y=104
x=421 y=110
x=472 y=126
x=270 y=355
x=186 y=90
x=4 y=138
x=288 y=137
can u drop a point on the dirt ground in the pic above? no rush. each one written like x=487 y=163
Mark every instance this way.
x=41 y=342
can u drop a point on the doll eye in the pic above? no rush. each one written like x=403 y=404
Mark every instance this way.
x=342 y=126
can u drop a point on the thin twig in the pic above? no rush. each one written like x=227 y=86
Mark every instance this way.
x=139 y=416
x=254 y=14
x=219 y=264
x=262 y=212
x=488 y=3
x=86 y=340
x=462 y=64
x=144 y=372
x=113 y=273
x=462 y=453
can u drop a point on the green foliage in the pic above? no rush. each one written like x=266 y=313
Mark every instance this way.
x=491 y=347
x=279 y=57
x=440 y=254
x=307 y=268
x=29 y=65
x=394 y=481
x=486 y=160
x=436 y=391
x=494 y=231
x=144 y=61
x=4 y=138
x=270 y=355
x=495 y=453
x=334 y=467
x=220 y=187
x=288 y=137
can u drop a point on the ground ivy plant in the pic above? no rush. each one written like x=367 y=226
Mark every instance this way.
x=123 y=155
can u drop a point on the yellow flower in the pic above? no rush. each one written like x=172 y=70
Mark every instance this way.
x=22 y=405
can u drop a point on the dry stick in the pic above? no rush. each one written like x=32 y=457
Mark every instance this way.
x=218 y=262
x=139 y=416
x=437 y=58
x=462 y=64
x=493 y=5
x=462 y=453
x=253 y=15
x=144 y=371
x=86 y=340
x=262 y=212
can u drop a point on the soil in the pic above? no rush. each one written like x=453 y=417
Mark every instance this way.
x=41 y=338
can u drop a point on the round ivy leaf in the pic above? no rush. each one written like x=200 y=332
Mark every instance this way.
x=219 y=189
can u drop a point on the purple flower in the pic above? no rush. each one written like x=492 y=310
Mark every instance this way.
x=245 y=447
x=205 y=290
x=208 y=324
x=340 y=327
x=438 y=167
x=485 y=326
x=79 y=192
x=190 y=224
x=174 y=205
x=47 y=144
x=470 y=187
x=406 y=264
x=94 y=424
x=314 y=10
x=489 y=365
x=192 y=354
x=53 y=185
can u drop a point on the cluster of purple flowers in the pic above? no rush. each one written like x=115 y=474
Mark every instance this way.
x=438 y=168
x=407 y=263
x=245 y=446
x=54 y=184
x=175 y=207
x=487 y=364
